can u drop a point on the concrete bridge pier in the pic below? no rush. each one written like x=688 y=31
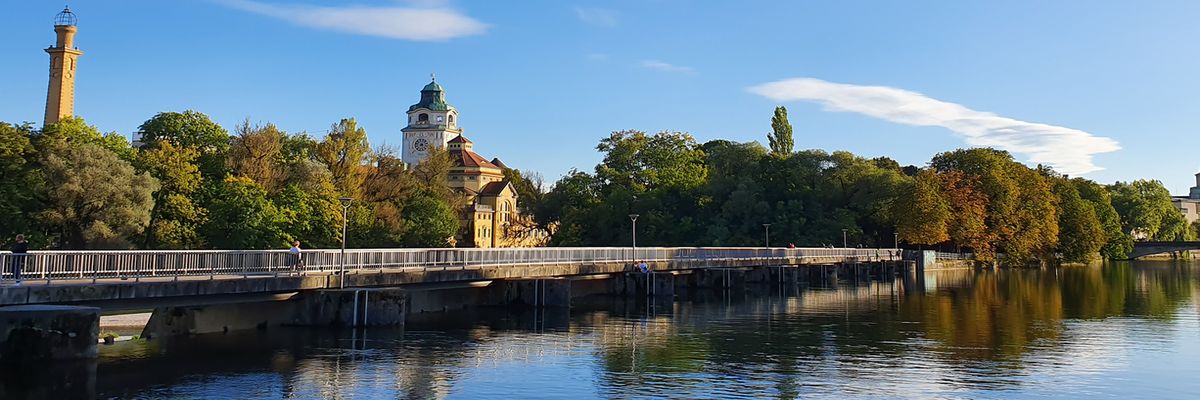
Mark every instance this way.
x=659 y=284
x=38 y=333
x=549 y=292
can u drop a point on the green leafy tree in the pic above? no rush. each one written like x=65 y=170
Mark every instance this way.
x=242 y=217
x=176 y=216
x=1081 y=234
x=781 y=133
x=190 y=129
x=17 y=180
x=75 y=131
x=1146 y=210
x=344 y=151
x=428 y=221
x=922 y=213
x=93 y=198
x=1117 y=243
x=313 y=217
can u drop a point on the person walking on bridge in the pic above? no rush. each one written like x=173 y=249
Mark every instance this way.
x=297 y=258
x=20 y=250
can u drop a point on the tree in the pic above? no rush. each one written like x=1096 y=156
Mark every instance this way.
x=428 y=221
x=1146 y=210
x=241 y=217
x=313 y=217
x=176 y=216
x=1021 y=208
x=781 y=133
x=922 y=213
x=1117 y=243
x=95 y=199
x=75 y=131
x=17 y=180
x=344 y=151
x=1080 y=232
x=529 y=187
x=190 y=129
x=255 y=153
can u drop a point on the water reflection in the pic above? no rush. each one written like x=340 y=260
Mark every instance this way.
x=1120 y=330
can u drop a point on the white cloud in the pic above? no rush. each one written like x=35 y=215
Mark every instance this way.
x=420 y=21
x=1067 y=150
x=666 y=67
x=597 y=16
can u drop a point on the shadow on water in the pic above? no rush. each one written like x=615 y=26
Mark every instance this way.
x=983 y=330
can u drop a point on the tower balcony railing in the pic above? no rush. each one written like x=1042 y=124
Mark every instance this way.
x=95 y=265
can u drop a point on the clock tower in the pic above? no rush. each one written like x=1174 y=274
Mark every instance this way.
x=60 y=95
x=431 y=123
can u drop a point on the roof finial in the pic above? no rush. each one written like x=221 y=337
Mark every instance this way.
x=432 y=77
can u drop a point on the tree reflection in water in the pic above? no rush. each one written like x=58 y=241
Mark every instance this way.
x=957 y=333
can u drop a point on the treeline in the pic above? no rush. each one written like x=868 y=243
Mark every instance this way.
x=720 y=193
x=193 y=185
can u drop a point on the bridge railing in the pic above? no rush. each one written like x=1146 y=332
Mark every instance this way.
x=137 y=264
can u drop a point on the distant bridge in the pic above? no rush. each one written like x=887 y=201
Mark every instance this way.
x=1142 y=249
x=96 y=277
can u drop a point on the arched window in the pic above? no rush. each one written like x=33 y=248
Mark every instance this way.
x=451 y=119
x=423 y=118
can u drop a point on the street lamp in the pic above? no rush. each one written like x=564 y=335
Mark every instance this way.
x=633 y=218
x=895 y=240
x=844 y=246
x=767 y=228
x=345 y=210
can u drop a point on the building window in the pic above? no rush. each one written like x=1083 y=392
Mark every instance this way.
x=439 y=118
x=451 y=119
x=423 y=118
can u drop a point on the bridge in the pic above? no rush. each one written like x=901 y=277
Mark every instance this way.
x=1142 y=249
x=220 y=290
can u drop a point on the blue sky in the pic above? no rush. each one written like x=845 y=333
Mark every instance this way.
x=1100 y=88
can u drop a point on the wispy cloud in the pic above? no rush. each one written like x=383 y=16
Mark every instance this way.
x=420 y=20
x=667 y=67
x=597 y=16
x=1068 y=150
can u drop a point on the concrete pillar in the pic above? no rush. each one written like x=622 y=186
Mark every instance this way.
x=220 y=318
x=352 y=307
x=553 y=292
x=47 y=332
x=655 y=283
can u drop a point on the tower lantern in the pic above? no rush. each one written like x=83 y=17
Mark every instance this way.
x=60 y=95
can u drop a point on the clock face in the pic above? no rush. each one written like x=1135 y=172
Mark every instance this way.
x=420 y=145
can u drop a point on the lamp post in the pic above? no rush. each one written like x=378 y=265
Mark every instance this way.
x=844 y=239
x=895 y=240
x=767 y=229
x=345 y=211
x=633 y=218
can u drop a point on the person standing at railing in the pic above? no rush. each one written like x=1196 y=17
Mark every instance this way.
x=20 y=250
x=297 y=258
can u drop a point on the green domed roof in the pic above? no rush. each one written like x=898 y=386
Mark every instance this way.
x=433 y=98
x=432 y=86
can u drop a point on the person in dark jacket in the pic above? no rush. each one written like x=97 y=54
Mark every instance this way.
x=20 y=250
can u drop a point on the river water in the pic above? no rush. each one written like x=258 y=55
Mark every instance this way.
x=1125 y=330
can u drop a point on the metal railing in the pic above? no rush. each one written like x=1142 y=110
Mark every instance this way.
x=137 y=264
x=955 y=256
